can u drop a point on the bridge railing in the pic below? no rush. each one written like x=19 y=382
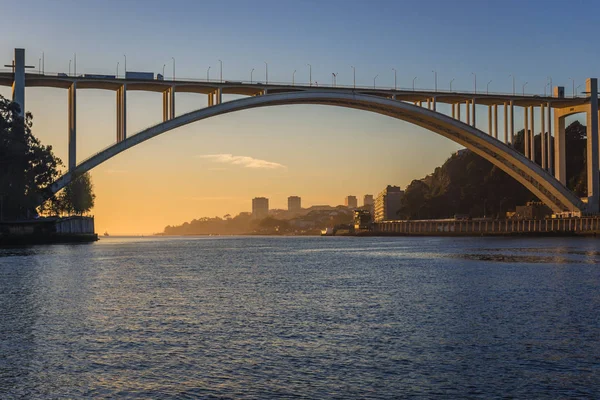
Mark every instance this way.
x=262 y=82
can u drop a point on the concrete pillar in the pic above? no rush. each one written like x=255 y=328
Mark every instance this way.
x=458 y=111
x=592 y=147
x=474 y=103
x=543 y=135
x=531 y=134
x=490 y=130
x=560 y=157
x=453 y=110
x=219 y=96
x=496 y=121
x=172 y=105
x=72 y=106
x=434 y=104
x=549 y=157
x=122 y=113
x=166 y=100
x=526 y=131
x=468 y=112
x=18 y=87
x=512 y=122
x=428 y=103
x=506 y=140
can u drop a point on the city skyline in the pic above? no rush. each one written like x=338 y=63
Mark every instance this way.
x=214 y=166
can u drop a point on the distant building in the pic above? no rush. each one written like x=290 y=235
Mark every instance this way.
x=368 y=200
x=294 y=203
x=387 y=203
x=532 y=210
x=260 y=207
x=351 y=202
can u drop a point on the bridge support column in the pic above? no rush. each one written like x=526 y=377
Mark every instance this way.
x=526 y=131
x=172 y=103
x=474 y=104
x=72 y=105
x=495 y=121
x=121 y=113
x=531 y=135
x=18 y=87
x=490 y=131
x=592 y=147
x=560 y=158
x=434 y=104
x=219 y=96
x=169 y=104
x=458 y=111
x=512 y=122
x=549 y=158
x=453 y=110
x=506 y=140
x=468 y=112
x=543 y=136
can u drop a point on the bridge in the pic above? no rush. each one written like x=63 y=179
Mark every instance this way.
x=546 y=180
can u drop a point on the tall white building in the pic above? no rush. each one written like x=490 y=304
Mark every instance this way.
x=387 y=203
x=260 y=207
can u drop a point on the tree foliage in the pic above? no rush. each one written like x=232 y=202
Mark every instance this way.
x=27 y=168
x=469 y=184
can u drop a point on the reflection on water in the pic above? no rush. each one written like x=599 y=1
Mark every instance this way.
x=260 y=317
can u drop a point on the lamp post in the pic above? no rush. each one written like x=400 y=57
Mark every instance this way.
x=117 y=75
x=435 y=79
x=43 y=64
x=309 y=74
x=75 y=64
x=474 y=82
x=266 y=72
x=513 y=79
x=353 y=77
x=414 y=79
x=577 y=88
x=451 y=84
x=525 y=84
x=125 y=56
x=487 y=88
x=40 y=66
x=374 y=79
x=163 y=74
x=573 y=80
x=69 y=67
x=550 y=79
x=221 y=70
x=333 y=79
x=173 y=58
x=294 y=78
x=395 y=86
x=251 y=72
x=208 y=74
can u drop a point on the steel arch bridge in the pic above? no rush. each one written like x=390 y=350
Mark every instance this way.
x=531 y=175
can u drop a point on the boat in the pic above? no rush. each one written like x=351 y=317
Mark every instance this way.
x=106 y=233
x=327 y=232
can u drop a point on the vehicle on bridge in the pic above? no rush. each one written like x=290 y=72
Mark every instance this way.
x=139 y=75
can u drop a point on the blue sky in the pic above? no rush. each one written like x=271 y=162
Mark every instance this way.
x=327 y=152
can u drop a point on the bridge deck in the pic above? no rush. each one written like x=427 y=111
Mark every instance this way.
x=251 y=89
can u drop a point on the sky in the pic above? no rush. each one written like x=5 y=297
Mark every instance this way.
x=216 y=166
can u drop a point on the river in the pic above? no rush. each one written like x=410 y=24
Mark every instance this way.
x=301 y=317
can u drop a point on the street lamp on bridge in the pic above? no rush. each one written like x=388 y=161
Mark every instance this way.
x=173 y=58
x=208 y=74
x=163 y=74
x=451 y=84
x=525 y=84
x=395 y=86
x=474 y=82
x=487 y=88
x=550 y=79
x=125 y=56
x=374 y=79
x=435 y=79
x=221 y=70
x=573 y=80
x=117 y=75
x=251 y=72
x=333 y=79
x=353 y=76
x=309 y=74
x=577 y=89
x=266 y=72
x=414 y=79
x=294 y=78
x=69 y=67
x=513 y=79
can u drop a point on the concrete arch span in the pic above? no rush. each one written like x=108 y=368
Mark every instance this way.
x=533 y=177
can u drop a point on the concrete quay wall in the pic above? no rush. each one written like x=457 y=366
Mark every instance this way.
x=562 y=226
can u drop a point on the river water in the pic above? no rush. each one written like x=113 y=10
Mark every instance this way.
x=291 y=317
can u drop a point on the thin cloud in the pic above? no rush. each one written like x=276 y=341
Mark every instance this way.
x=242 y=161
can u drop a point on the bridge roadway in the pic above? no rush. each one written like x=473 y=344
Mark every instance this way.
x=258 y=88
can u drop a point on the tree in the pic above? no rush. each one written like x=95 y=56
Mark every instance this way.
x=78 y=196
x=27 y=168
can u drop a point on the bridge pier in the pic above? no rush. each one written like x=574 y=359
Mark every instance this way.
x=531 y=135
x=169 y=104
x=122 y=113
x=560 y=156
x=549 y=157
x=512 y=122
x=458 y=111
x=72 y=115
x=495 y=121
x=526 y=131
x=592 y=147
x=506 y=141
x=474 y=103
x=468 y=112
x=490 y=122
x=18 y=87
x=543 y=136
